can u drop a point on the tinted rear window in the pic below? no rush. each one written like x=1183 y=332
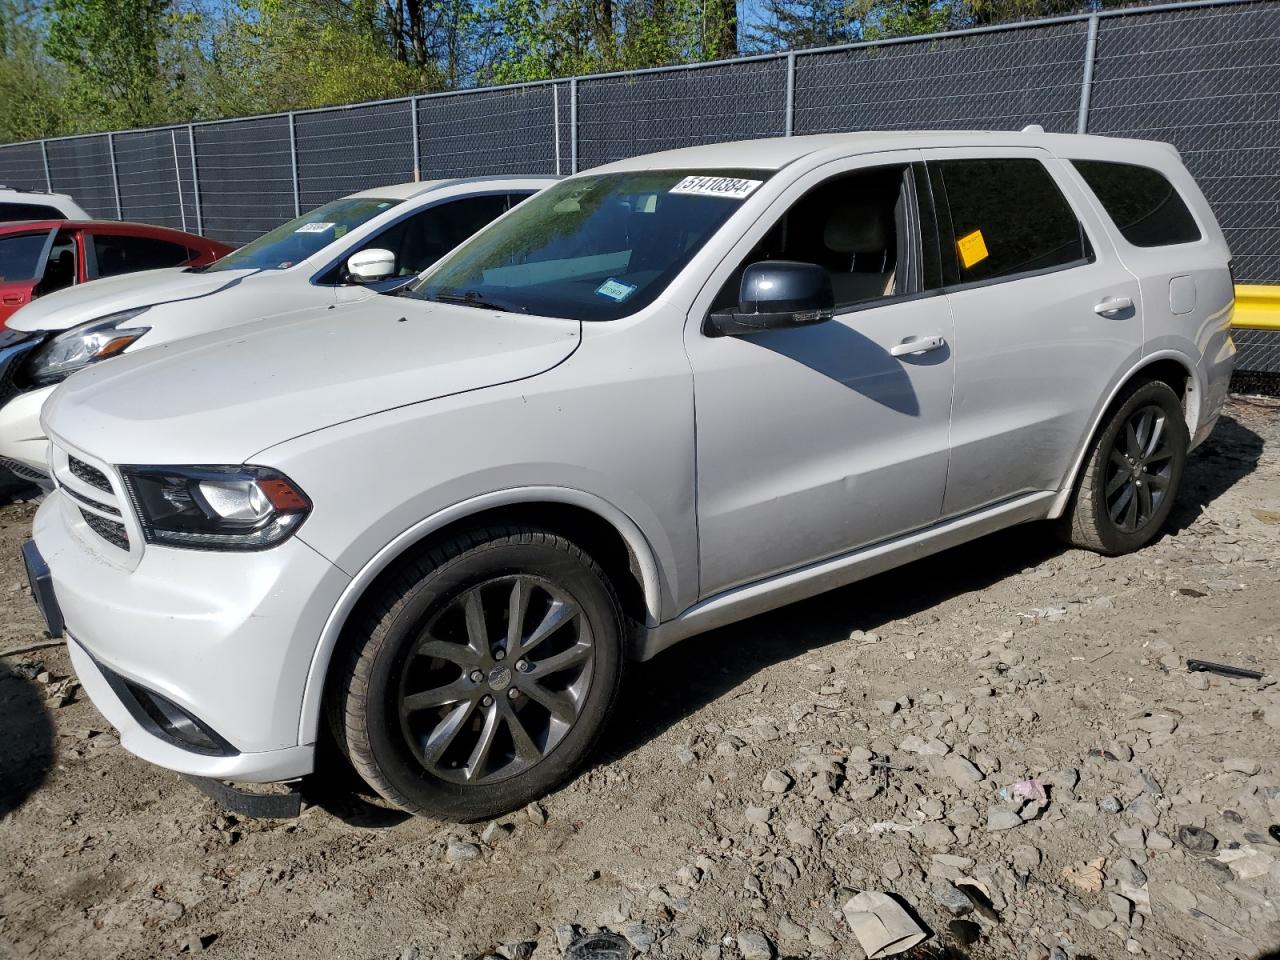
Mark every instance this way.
x=128 y=254
x=1009 y=218
x=10 y=212
x=1146 y=208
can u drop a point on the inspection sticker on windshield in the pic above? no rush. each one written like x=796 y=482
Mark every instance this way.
x=735 y=188
x=973 y=248
x=616 y=290
x=318 y=227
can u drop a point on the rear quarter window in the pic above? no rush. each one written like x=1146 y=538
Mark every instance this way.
x=1145 y=207
x=9 y=212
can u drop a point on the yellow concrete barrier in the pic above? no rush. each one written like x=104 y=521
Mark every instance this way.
x=1257 y=307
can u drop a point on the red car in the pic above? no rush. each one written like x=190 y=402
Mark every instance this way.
x=41 y=256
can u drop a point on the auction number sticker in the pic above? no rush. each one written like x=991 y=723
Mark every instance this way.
x=319 y=227
x=734 y=188
x=973 y=249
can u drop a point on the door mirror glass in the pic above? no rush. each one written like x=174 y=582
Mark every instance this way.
x=369 y=266
x=777 y=295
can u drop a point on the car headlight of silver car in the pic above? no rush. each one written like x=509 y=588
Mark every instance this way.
x=85 y=344
x=216 y=508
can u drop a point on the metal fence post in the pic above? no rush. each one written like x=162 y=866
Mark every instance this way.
x=44 y=154
x=293 y=162
x=573 y=125
x=115 y=180
x=555 y=122
x=791 y=93
x=177 y=178
x=195 y=180
x=1086 y=83
x=417 y=157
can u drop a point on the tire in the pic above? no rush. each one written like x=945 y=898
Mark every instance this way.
x=1114 y=509
x=429 y=720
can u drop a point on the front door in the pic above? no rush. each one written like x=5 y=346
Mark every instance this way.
x=817 y=440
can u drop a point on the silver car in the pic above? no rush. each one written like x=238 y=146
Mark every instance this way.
x=656 y=398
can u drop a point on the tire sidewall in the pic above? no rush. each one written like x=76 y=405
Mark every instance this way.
x=570 y=572
x=1113 y=538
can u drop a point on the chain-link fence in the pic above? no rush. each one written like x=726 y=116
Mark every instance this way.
x=1203 y=75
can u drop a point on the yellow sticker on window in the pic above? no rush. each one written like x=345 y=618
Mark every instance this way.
x=973 y=249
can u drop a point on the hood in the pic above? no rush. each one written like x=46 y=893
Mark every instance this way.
x=98 y=298
x=226 y=396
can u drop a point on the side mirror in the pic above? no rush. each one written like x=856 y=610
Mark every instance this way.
x=777 y=295
x=369 y=266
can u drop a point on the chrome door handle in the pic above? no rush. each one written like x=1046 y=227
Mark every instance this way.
x=1112 y=305
x=914 y=345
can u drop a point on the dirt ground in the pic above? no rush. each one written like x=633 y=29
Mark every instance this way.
x=757 y=778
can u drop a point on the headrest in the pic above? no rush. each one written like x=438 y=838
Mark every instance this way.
x=855 y=227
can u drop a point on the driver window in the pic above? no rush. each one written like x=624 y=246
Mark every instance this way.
x=862 y=227
x=60 y=268
x=421 y=240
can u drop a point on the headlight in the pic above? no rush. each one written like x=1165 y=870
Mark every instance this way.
x=80 y=346
x=216 y=508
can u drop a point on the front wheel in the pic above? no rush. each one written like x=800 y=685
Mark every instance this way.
x=1131 y=474
x=481 y=676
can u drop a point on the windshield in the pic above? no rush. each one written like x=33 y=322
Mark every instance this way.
x=298 y=239
x=591 y=248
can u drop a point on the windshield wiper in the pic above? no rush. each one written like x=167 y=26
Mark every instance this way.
x=473 y=299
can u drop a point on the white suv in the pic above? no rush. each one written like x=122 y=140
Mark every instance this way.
x=18 y=204
x=395 y=232
x=658 y=397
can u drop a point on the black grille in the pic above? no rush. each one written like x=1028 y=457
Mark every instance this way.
x=110 y=531
x=14 y=346
x=90 y=475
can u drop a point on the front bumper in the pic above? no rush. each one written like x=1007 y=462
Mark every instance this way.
x=226 y=638
x=22 y=439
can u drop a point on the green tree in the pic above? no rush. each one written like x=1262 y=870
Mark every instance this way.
x=111 y=51
x=30 y=85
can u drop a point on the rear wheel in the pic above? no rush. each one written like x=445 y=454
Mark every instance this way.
x=1131 y=475
x=480 y=678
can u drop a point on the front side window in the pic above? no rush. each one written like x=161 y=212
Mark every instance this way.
x=420 y=240
x=1144 y=206
x=20 y=255
x=118 y=253
x=862 y=227
x=594 y=247
x=1008 y=218
x=304 y=237
x=11 y=212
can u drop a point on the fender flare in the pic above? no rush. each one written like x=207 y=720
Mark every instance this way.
x=1192 y=413
x=637 y=543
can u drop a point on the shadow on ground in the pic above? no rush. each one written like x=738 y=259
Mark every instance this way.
x=1229 y=455
x=26 y=739
x=664 y=691
x=13 y=489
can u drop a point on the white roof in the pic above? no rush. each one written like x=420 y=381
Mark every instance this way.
x=776 y=152
x=403 y=191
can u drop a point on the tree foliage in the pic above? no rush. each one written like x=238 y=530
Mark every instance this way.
x=72 y=66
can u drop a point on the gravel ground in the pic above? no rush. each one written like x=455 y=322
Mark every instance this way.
x=759 y=777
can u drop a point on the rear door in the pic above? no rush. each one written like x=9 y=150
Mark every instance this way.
x=1045 y=316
